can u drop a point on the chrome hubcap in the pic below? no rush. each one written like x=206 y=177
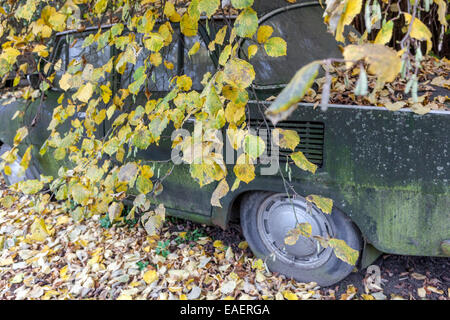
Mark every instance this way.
x=278 y=214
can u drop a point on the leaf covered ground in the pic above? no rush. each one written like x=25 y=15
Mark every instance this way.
x=45 y=255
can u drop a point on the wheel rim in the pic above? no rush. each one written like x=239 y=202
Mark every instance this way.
x=276 y=217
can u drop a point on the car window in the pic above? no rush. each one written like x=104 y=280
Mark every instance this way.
x=303 y=45
x=71 y=48
x=197 y=65
x=90 y=54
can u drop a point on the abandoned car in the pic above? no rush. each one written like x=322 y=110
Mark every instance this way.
x=387 y=172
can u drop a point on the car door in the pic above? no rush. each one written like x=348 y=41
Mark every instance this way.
x=69 y=49
x=180 y=192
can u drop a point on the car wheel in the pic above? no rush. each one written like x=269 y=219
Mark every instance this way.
x=267 y=217
x=14 y=177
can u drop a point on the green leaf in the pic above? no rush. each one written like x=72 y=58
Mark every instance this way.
x=324 y=204
x=287 y=139
x=212 y=103
x=343 y=251
x=208 y=6
x=221 y=190
x=254 y=146
x=385 y=34
x=144 y=185
x=241 y=4
x=302 y=162
x=142 y=138
x=301 y=229
x=80 y=193
x=246 y=23
x=26 y=10
x=282 y=107
x=30 y=186
x=275 y=47
x=239 y=73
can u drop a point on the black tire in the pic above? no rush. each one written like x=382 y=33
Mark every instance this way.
x=331 y=271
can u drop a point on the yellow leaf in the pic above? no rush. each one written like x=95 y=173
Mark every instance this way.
x=241 y=4
x=188 y=25
x=38 y=230
x=385 y=34
x=20 y=135
x=26 y=10
x=275 y=47
x=10 y=55
x=114 y=211
x=442 y=9
x=258 y=264
x=26 y=158
x=100 y=6
x=351 y=9
x=30 y=186
x=41 y=50
x=343 y=251
x=238 y=73
x=220 y=36
x=208 y=6
x=287 y=294
x=100 y=116
x=252 y=50
x=284 y=104
x=301 y=229
x=302 y=162
x=144 y=185
x=63 y=273
x=221 y=190
x=6 y=262
x=394 y=106
x=150 y=276
x=324 y=204
x=64 y=82
x=419 y=30
x=243 y=245
x=286 y=139
x=246 y=23
x=194 y=49
x=384 y=62
x=169 y=65
x=264 y=33
x=244 y=168
x=169 y=9
x=80 y=193
x=106 y=93
x=7 y=169
x=85 y=92
x=184 y=82
x=254 y=146
x=218 y=244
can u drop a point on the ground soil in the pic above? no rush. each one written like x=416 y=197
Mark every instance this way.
x=398 y=273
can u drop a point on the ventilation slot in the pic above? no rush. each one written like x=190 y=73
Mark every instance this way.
x=311 y=135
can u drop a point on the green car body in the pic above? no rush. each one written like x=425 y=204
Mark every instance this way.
x=387 y=171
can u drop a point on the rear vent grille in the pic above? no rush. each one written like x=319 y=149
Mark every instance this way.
x=311 y=135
